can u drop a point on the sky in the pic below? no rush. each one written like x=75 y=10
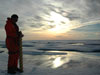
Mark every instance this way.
x=53 y=19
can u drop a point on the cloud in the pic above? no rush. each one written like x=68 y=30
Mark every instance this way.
x=83 y=10
x=93 y=8
x=89 y=28
x=34 y=14
x=35 y=10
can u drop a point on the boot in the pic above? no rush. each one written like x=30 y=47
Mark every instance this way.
x=11 y=70
x=18 y=70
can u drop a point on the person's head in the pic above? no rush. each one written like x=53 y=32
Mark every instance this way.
x=14 y=18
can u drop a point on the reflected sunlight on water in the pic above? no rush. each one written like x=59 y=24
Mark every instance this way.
x=57 y=62
x=60 y=60
x=77 y=44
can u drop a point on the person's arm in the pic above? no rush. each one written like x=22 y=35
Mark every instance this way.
x=20 y=34
x=11 y=32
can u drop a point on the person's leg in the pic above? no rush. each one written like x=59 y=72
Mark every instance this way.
x=16 y=60
x=16 y=63
x=10 y=60
x=11 y=68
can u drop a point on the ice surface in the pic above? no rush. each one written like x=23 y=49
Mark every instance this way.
x=55 y=62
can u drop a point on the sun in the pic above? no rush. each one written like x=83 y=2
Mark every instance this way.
x=60 y=23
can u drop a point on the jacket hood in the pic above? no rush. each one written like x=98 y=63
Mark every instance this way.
x=8 y=20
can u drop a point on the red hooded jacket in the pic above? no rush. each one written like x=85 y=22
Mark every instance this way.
x=12 y=39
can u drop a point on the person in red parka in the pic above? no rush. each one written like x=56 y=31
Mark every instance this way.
x=12 y=43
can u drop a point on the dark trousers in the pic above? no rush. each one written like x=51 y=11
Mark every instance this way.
x=13 y=61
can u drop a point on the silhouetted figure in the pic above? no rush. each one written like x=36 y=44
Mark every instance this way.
x=12 y=43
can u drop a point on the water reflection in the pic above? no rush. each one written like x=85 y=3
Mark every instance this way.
x=77 y=44
x=59 y=61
